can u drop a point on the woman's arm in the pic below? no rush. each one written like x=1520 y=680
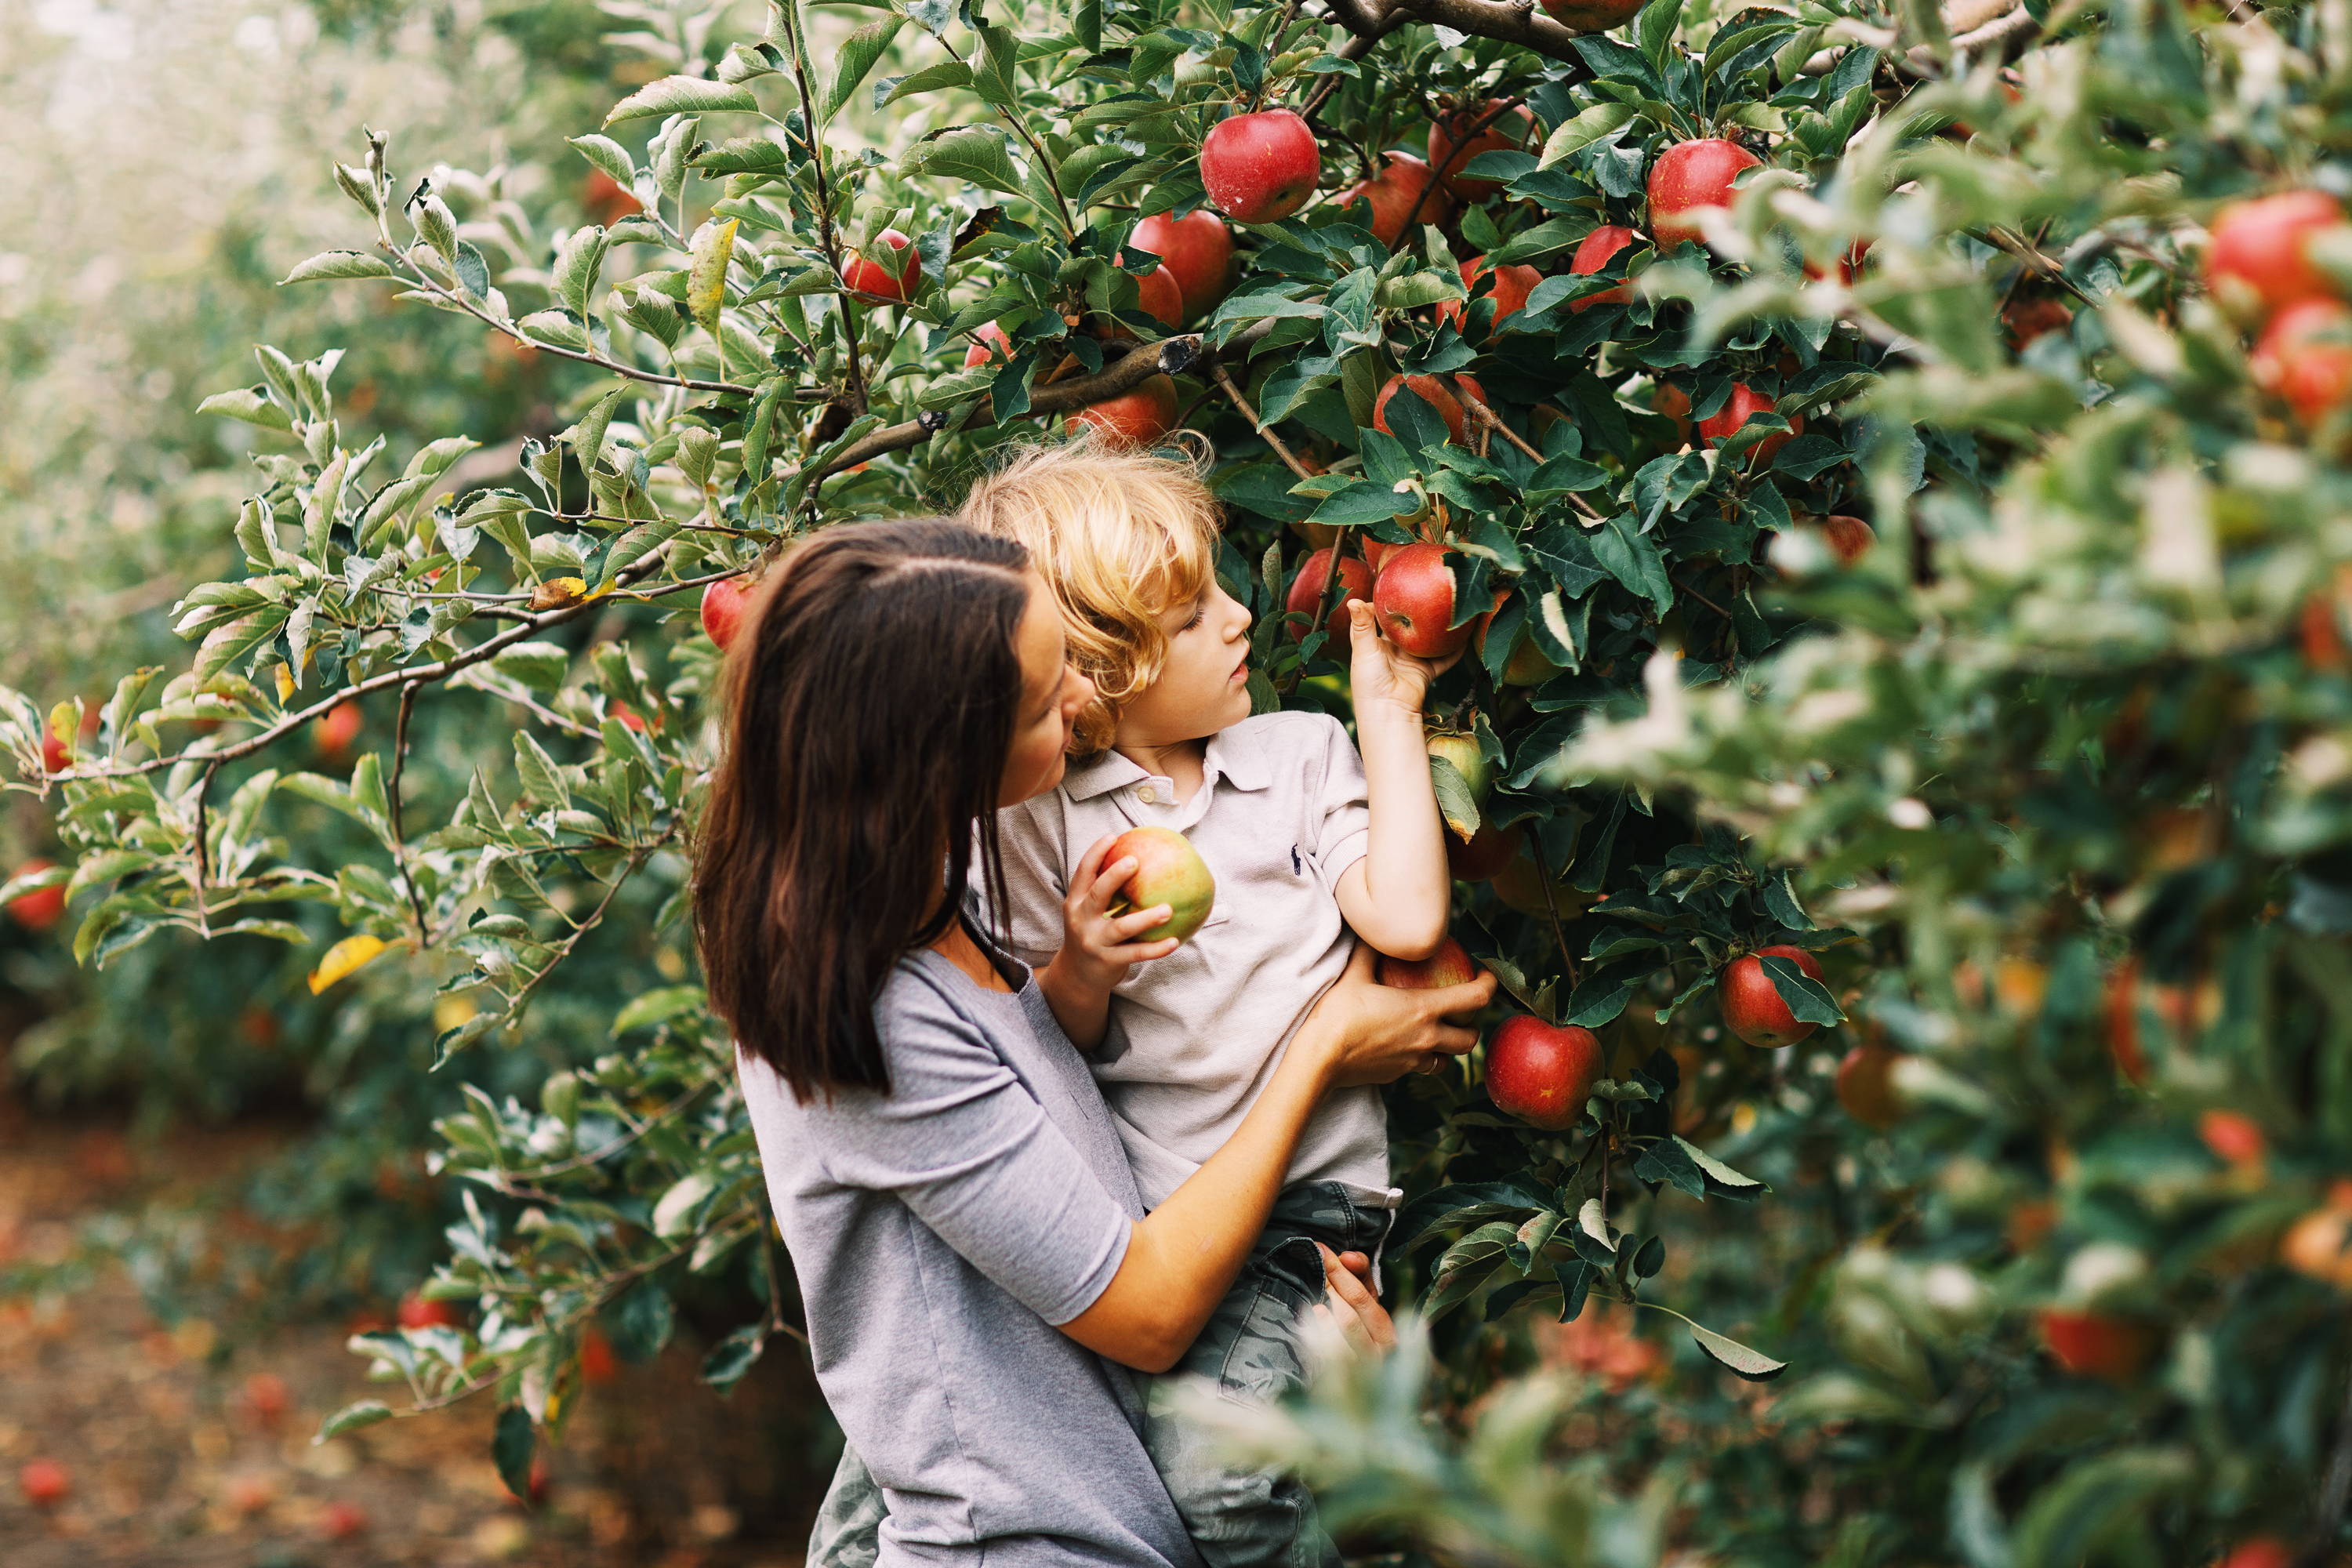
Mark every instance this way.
x=1397 y=894
x=1182 y=1256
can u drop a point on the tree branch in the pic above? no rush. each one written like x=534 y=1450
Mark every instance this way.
x=1169 y=356
x=1232 y=390
x=1512 y=21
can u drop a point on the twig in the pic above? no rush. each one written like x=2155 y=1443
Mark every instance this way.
x=1232 y=390
x=826 y=238
x=2334 y=1492
x=392 y=797
x=1354 y=47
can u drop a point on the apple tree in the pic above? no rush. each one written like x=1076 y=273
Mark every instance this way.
x=1894 y=757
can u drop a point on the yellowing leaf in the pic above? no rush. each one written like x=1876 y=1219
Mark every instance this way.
x=712 y=248
x=341 y=959
x=285 y=681
x=557 y=592
x=450 y=1011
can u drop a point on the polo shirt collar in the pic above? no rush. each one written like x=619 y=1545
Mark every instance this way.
x=1228 y=757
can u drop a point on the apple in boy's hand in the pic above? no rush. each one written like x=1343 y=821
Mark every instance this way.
x=1167 y=871
x=1542 y=1073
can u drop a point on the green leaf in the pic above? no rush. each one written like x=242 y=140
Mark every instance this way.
x=1719 y=1173
x=733 y=1356
x=1807 y=998
x=858 y=53
x=351 y=1417
x=683 y=95
x=511 y=1447
x=676 y=1210
x=1634 y=560
x=1583 y=131
x=538 y=774
x=930 y=78
x=1455 y=801
x=2070 y=1518
x=973 y=155
x=330 y=265
x=1752 y=1364
x=656 y=1006
x=538 y=665
x=248 y=404
x=604 y=153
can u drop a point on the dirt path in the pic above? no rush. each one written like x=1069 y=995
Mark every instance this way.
x=178 y=1450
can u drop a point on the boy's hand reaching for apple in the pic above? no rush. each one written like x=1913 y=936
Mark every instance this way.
x=1380 y=672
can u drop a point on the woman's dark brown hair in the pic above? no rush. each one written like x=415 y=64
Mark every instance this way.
x=870 y=698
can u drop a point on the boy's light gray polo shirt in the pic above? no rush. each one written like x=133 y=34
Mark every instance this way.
x=939 y=1233
x=1280 y=816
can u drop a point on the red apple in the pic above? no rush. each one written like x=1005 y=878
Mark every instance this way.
x=2094 y=1345
x=2022 y=320
x=1690 y=175
x=1752 y=1009
x=1450 y=140
x=1595 y=251
x=2235 y=1138
x=1198 y=250
x=265 y=1396
x=872 y=279
x=335 y=730
x=1849 y=538
x=1489 y=850
x=722 y=611
x=1159 y=296
x=1865 y=1086
x=1396 y=192
x=416 y=1312
x=2257 y=261
x=1414 y=600
x=55 y=755
x=1744 y=403
x=2123 y=1021
x=2304 y=359
x=1511 y=287
x=2261 y=1552
x=38 y=910
x=1307 y=593
x=340 y=1520
x=1430 y=390
x=1449 y=966
x=607 y=200
x=1260 y=167
x=1167 y=871
x=1593 y=15
x=1675 y=403
x=1542 y=1073
x=44 y=1483
x=1139 y=418
x=597 y=1363
x=979 y=353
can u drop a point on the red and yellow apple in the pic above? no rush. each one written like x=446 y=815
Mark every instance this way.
x=1689 y=177
x=1167 y=871
x=1752 y=1008
x=870 y=277
x=1139 y=418
x=1197 y=249
x=1542 y=1073
x=1307 y=587
x=1257 y=168
x=1414 y=600
x=722 y=611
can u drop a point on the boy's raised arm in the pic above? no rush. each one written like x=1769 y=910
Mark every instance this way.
x=1397 y=896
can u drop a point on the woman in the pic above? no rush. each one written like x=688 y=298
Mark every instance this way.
x=977 y=1272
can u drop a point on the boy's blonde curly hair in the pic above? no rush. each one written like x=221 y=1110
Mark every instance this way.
x=1122 y=537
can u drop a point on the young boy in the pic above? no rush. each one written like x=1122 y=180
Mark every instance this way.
x=1307 y=843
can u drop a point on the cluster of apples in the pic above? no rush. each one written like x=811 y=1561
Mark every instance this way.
x=2259 y=267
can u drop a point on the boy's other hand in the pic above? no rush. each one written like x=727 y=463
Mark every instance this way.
x=1098 y=945
x=1380 y=672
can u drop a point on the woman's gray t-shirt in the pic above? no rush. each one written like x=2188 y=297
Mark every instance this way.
x=940 y=1232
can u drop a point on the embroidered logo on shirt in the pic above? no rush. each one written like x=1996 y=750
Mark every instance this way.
x=1298 y=867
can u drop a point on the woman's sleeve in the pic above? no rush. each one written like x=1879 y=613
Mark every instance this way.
x=961 y=1141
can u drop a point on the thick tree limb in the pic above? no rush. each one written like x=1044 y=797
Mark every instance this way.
x=1513 y=21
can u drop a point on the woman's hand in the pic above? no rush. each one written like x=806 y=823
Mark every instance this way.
x=1350 y=1305
x=1377 y=1034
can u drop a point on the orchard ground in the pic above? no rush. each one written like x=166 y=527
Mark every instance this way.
x=181 y=1444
